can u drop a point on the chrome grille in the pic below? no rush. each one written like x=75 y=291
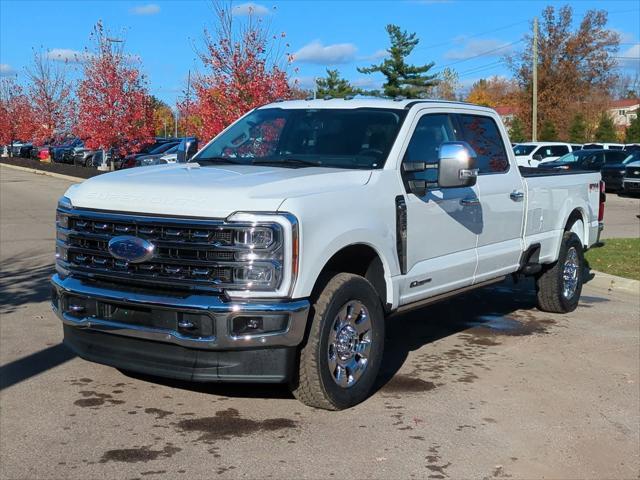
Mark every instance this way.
x=188 y=253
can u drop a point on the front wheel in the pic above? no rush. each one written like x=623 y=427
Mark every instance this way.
x=339 y=363
x=559 y=286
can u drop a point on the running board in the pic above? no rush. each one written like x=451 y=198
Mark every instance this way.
x=443 y=296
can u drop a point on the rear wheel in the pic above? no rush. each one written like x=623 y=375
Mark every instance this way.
x=339 y=363
x=559 y=286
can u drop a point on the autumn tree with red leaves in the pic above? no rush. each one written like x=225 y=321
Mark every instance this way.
x=16 y=115
x=51 y=98
x=245 y=68
x=114 y=105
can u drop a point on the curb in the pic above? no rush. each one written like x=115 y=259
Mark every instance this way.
x=614 y=283
x=44 y=172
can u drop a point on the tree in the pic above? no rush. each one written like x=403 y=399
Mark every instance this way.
x=114 y=104
x=493 y=92
x=548 y=133
x=516 y=132
x=578 y=129
x=245 y=68
x=448 y=84
x=606 y=131
x=334 y=86
x=163 y=120
x=632 y=135
x=51 y=98
x=403 y=79
x=16 y=115
x=576 y=68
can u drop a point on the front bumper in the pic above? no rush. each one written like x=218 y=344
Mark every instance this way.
x=144 y=331
x=630 y=184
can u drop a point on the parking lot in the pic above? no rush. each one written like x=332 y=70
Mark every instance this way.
x=483 y=386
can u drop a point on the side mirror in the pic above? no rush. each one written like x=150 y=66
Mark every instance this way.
x=457 y=165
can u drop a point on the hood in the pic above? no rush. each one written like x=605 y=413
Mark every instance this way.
x=211 y=191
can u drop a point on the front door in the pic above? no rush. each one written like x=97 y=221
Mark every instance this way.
x=442 y=225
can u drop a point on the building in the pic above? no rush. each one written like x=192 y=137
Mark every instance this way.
x=623 y=111
x=507 y=114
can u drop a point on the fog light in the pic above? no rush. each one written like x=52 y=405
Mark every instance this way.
x=258 y=325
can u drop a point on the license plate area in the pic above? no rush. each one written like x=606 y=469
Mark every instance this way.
x=190 y=324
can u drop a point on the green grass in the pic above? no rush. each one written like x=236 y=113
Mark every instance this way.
x=618 y=256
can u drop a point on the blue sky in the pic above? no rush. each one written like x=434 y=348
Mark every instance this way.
x=468 y=35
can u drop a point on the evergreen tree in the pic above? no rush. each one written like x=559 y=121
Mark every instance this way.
x=606 y=131
x=516 y=132
x=548 y=132
x=334 y=86
x=632 y=134
x=578 y=129
x=406 y=80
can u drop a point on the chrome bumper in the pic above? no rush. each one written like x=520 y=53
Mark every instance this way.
x=220 y=312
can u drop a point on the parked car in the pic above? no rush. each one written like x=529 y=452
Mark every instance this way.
x=276 y=252
x=584 y=160
x=631 y=180
x=614 y=169
x=82 y=157
x=531 y=154
x=632 y=147
x=40 y=152
x=14 y=148
x=63 y=152
x=147 y=149
x=605 y=146
x=102 y=158
x=149 y=158
x=25 y=150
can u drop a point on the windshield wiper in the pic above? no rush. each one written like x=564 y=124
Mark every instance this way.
x=227 y=160
x=291 y=162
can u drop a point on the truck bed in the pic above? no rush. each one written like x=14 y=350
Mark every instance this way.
x=530 y=172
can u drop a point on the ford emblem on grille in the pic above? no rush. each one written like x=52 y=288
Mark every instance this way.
x=131 y=249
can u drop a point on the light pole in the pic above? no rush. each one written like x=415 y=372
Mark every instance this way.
x=111 y=41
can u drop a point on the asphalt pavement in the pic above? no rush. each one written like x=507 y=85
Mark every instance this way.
x=483 y=386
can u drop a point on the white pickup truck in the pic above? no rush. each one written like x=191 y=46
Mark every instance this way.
x=277 y=252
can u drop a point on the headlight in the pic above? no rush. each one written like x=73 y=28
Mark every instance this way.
x=266 y=248
x=62 y=219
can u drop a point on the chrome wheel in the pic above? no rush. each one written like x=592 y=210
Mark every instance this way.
x=570 y=273
x=349 y=344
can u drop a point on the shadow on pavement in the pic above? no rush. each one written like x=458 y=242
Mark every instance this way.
x=34 y=364
x=19 y=286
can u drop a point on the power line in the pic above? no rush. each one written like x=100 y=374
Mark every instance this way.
x=475 y=35
x=482 y=54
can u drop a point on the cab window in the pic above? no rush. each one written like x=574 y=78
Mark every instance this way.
x=484 y=137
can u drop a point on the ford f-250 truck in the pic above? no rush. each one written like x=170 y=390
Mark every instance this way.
x=277 y=252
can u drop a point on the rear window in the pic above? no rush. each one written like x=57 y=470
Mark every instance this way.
x=615 y=156
x=484 y=137
x=592 y=146
x=558 y=150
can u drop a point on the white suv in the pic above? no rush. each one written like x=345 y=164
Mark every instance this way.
x=532 y=154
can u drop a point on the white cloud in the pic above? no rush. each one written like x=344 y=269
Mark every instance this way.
x=250 y=8
x=377 y=55
x=630 y=57
x=149 y=9
x=315 y=52
x=367 y=83
x=6 y=70
x=68 y=55
x=475 y=47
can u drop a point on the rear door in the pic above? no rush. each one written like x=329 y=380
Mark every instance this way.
x=501 y=192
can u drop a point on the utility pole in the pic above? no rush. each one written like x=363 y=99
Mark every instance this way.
x=186 y=133
x=534 y=110
x=175 y=117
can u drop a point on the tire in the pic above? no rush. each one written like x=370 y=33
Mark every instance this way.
x=555 y=292
x=328 y=358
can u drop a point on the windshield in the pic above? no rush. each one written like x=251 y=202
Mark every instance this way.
x=523 y=149
x=162 y=148
x=572 y=157
x=613 y=157
x=339 y=138
x=634 y=157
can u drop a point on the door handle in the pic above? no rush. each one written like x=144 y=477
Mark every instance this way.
x=468 y=202
x=516 y=196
